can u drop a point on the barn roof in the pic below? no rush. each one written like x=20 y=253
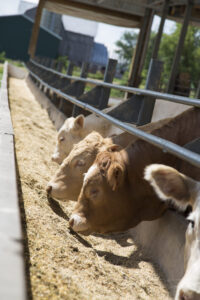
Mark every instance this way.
x=126 y=13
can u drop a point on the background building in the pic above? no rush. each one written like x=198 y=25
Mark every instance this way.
x=18 y=30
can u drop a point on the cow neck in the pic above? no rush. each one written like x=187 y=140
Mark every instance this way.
x=181 y=129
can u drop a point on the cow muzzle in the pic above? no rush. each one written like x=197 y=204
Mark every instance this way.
x=48 y=189
x=186 y=294
x=56 y=158
x=78 y=223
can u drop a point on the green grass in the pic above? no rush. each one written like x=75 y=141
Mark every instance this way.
x=1 y=73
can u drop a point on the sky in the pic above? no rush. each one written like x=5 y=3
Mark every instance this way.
x=106 y=34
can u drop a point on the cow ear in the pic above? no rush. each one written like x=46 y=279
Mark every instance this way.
x=168 y=183
x=114 y=148
x=79 y=122
x=115 y=176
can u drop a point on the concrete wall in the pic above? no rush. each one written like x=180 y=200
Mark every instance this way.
x=12 y=270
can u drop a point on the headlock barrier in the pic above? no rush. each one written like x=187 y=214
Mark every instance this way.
x=181 y=152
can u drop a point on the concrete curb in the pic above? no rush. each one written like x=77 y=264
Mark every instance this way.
x=12 y=275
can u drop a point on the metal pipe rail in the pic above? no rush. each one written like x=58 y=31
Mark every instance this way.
x=157 y=95
x=165 y=145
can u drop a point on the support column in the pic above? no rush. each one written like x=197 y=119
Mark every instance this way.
x=160 y=30
x=35 y=30
x=179 y=48
x=70 y=68
x=139 y=55
x=152 y=83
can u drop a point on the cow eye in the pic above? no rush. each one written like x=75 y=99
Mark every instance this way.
x=79 y=163
x=61 y=139
x=191 y=223
x=94 y=192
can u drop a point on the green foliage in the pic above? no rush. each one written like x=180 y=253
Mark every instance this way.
x=64 y=61
x=2 y=57
x=1 y=73
x=190 y=54
x=189 y=58
x=126 y=46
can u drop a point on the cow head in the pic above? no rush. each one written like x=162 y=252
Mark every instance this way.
x=103 y=205
x=182 y=190
x=69 y=134
x=67 y=182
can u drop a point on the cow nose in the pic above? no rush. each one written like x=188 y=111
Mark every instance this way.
x=48 y=189
x=78 y=223
x=55 y=158
x=71 y=222
x=188 y=295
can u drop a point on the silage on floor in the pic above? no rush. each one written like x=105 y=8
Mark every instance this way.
x=63 y=265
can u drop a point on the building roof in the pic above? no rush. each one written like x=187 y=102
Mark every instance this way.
x=99 y=54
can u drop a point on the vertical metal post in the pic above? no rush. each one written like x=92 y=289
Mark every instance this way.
x=70 y=68
x=174 y=70
x=84 y=69
x=152 y=83
x=53 y=64
x=144 y=49
x=59 y=66
x=108 y=77
x=160 y=30
x=76 y=89
x=136 y=60
x=198 y=91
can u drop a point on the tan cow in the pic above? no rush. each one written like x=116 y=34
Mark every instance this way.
x=168 y=183
x=68 y=180
x=75 y=129
x=114 y=196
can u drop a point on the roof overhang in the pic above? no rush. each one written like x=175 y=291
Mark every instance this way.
x=100 y=11
x=125 y=13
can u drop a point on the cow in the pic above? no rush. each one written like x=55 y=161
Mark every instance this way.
x=75 y=129
x=114 y=196
x=168 y=183
x=67 y=182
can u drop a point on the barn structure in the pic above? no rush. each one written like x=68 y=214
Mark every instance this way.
x=16 y=40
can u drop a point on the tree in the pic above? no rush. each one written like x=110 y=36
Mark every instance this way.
x=126 y=46
x=190 y=54
x=189 y=58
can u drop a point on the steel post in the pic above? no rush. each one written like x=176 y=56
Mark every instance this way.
x=136 y=60
x=152 y=83
x=179 y=48
x=160 y=30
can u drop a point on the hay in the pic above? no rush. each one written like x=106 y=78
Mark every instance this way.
x=62 y=264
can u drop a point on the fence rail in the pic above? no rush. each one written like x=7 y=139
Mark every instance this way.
x=133 y=90
x=165 y=145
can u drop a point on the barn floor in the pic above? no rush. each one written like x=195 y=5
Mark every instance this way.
x=60 y=264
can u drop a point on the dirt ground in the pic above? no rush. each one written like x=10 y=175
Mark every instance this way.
x=61 y=264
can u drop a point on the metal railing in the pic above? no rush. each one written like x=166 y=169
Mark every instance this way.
x=165 y=145
x=158 y=95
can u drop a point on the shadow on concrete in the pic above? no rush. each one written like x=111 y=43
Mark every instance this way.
x=24 y=232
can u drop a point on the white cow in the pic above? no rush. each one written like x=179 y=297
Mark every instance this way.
x=168 y=183
x=75 y=129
